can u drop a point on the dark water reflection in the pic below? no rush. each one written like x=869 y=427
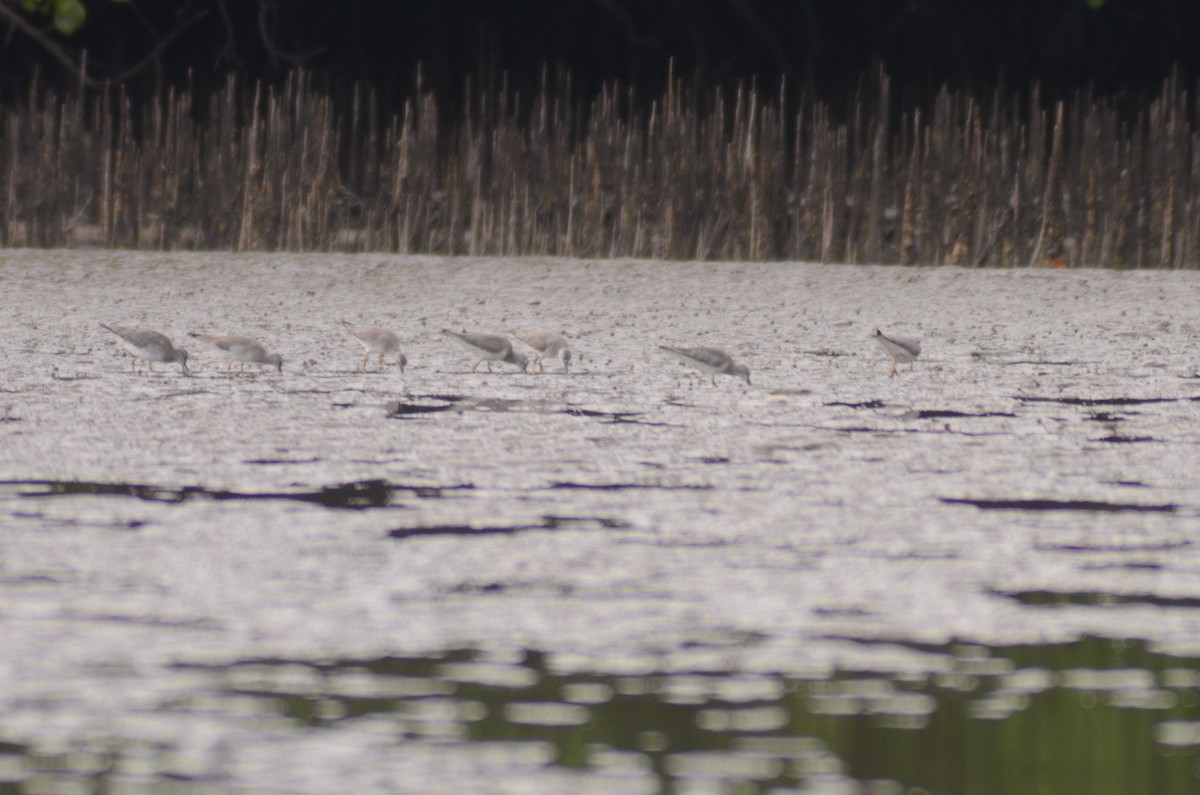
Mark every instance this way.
x=1094 y=716
x=357 y=495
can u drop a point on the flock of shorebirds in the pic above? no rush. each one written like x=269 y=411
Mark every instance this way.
x=152 y=346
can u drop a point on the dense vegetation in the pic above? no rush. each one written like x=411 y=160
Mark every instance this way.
x=1007 y=134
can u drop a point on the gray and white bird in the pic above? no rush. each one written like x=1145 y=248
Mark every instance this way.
x=376 y=340
x=488 y=348
x=547 y=343
x=242 y=350
x=711 y=361
x=901 y=349
x=149 y=345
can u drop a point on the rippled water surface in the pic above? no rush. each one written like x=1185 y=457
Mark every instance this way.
x=979 y=577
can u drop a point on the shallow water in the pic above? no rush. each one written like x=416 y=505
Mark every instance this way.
x=978 y=574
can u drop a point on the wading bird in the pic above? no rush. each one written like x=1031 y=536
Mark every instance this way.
x=376 y=340
x=148 y=345
x=488 y=348
x=711 y=361
x=547 y=343
x=901 y=349
x=242 y=350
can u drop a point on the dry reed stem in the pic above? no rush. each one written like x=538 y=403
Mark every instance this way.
x=738 y=175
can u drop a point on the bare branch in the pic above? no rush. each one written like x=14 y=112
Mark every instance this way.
x=266 y=9
x=162 y=44
x=230 y=47
x=59 y=54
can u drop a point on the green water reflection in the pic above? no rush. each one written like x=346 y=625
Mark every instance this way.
x=1095 y=716
x=1089 y=716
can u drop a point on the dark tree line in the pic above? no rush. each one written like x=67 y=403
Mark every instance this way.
x=990 y=132
x=1112 y=45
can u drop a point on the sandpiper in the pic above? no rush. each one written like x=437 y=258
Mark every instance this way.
x=901 y=349
x=489 y=348
x=709 y=360
x=379 y=341
x=148 y=345
x=547 y=343
x=240 y=349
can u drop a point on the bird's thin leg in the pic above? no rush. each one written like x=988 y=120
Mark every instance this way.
x=363 y=366
x=714 y=379
x=229 y=369
x=489 y=365
x=894 y=371
x=381 y=362
x=132 y=363
x=476 y=367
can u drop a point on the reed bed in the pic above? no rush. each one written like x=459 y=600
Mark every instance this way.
x=740 y=174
